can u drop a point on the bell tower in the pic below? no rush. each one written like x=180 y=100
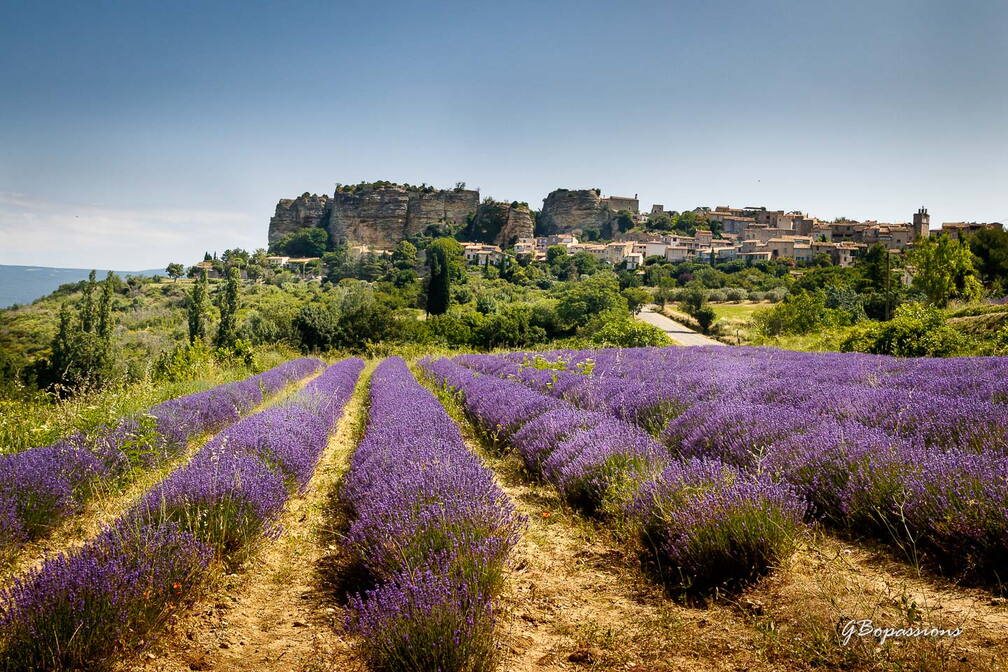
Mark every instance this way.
x=921 y=223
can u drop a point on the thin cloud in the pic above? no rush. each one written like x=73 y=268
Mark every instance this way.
x=51 y=233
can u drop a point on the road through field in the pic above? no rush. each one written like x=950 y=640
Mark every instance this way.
x=677 y=331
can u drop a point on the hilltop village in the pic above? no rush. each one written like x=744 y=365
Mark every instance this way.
x=371 y=218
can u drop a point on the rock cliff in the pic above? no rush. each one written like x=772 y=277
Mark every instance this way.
x=567 y=210
x=382 y=214
x=500 y=223
x=307 y=210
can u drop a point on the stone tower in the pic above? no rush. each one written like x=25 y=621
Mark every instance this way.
x=921 y=223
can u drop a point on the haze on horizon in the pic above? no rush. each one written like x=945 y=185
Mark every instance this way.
x=134 y=134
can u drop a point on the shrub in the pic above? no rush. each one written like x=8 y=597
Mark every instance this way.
x=916 y=331
x=735 y=294
x=801 y=313
x=622 y=332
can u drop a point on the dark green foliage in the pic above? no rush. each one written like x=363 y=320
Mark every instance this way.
x=636 y=298
x=316 y=326
x=615 y=331
x=588 y=298
x=81 y=352
x=196 y=310
x=307 y=242
x=915 y=331
x=694 y=304
x=624 y=221
x=227 y=330
x=355 y=321
x=799 y=313
x=991 y=249
x=444 y=262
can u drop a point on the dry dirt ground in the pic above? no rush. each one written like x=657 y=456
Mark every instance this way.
x=578 y=600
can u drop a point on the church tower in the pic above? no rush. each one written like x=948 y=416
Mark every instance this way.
x=921 y=223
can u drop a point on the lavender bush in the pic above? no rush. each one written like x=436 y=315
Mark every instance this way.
x=431 y=527
x=41 y=486
x=908 y=450
x=79 y=608
x=705 y=525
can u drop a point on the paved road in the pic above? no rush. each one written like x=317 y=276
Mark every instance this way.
x=677 y=331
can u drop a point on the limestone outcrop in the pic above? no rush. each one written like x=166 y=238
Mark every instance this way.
x=575 y=210
x=382 y=214
x=292 y=214
x=500 y=223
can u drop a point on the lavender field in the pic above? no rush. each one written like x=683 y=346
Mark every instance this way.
x=640 y=509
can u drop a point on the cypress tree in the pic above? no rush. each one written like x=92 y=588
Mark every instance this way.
x=88 y=305
x=227 y=331
x=105 y=324
x=439 y=285
x=196 y=309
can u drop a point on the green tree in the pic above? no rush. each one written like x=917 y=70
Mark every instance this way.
x=438 y=283
x=588 y=298
x=636 y=298
x=694 y=303
x=991 y=249
x=798 y=313
x=665 y=291
x=106 y=324
x=81 y=357
x=915 y=331
x=624 y=221
x=451 y=255
x=943 y=270
x=404 y=256
x=307 y=242
x=88 y=311
x=316 y=327
x=554 y=253
x=227 y=330
x=196 y=309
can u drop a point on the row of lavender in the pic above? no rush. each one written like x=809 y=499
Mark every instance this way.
x=873 y=443
x=706 y=524
x=43 y=485
x=80 y=608
x=431 y=530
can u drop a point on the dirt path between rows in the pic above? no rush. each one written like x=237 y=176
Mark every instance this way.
x=272 y=616
x=105 y=507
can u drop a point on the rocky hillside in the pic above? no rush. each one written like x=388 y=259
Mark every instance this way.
x=307 y=210
x=500 y=223
x=380 y=214
x=566 y=210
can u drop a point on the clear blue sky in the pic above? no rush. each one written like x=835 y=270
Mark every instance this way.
x=137 y=133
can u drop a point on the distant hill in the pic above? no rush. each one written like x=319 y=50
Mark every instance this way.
x=24 y=284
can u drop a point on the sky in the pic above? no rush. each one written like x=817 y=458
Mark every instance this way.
x=136 y=133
